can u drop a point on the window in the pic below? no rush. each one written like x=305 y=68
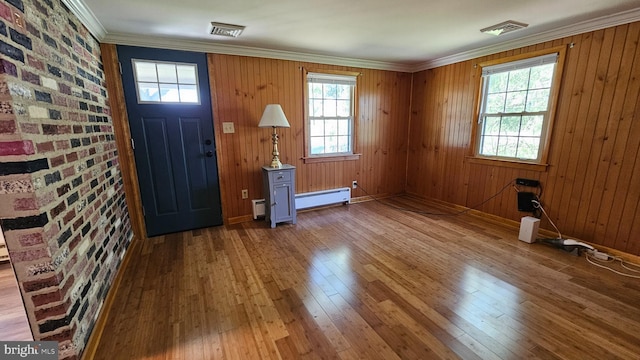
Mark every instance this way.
x=516 y=108
x=165 y=82
x=330 y=110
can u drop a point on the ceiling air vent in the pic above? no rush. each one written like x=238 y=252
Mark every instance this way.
x=504 y=27
x=229 y=30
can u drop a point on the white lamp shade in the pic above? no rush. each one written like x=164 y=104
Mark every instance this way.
x=273 y=116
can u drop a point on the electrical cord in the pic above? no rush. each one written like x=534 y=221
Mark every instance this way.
x=592 y=260
x=537 y=205
x=461 y=212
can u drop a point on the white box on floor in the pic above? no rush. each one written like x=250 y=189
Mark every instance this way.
x=529 y=229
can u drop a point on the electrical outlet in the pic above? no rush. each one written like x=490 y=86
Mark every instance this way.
x=354 y=184
x=245 y=193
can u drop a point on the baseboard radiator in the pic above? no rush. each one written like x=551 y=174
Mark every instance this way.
x=310 y=200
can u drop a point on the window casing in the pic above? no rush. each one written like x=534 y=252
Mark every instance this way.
x=518 y=96
x=330 y=109
x=166 y=82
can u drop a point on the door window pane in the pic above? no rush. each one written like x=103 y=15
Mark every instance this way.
x=166 y=82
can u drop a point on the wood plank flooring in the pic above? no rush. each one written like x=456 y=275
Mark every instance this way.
x=367 y=281
x=14 y=325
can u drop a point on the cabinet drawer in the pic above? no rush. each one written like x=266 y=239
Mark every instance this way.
x=281 y=176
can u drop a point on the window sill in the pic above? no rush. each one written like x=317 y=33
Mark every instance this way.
x=507 y=163
x=331 y=158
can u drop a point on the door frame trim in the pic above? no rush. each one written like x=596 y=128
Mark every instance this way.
x=120 y=121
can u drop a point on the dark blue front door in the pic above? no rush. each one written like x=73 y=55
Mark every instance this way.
x=175 y=149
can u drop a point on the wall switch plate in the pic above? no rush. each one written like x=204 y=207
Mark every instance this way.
x=245 y=193
x=228 y=128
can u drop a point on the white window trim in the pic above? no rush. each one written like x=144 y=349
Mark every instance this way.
x=513 y=63
x=338 y=77
x=144 y=102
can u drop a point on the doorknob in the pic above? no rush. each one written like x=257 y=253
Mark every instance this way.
x=207 y=142
x=209 y=153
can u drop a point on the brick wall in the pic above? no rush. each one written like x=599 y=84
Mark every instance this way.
x=62 y=206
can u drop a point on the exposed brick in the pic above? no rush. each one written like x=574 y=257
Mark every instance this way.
x=58 y=209
x=29 y=255
x=46 y=298
x=35 y=63
x=49 y=41
x=51 y=325
x=25 y=204
x=24 y=147
x=28 y=128
x=55 y=114
x=31 y=239
x=62 y=145
x=69 y=171
x=41 y=95
x=7 y=126
x=7 y=67
x=64 y=88
x=20 y=38
x=3 y=28
x=52 y=178
x=40 y=7
x=17 y=3
x=32 y=30
x=56 y=161
x=70 y=215
x=39 y=284
x=11 y=51
x=77 y=129
x=52 y=311
x=32 y=78
x=45 y=147
x=5 y=12
x=53 y=70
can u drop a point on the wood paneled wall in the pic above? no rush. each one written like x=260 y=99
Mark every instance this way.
x=243 y=86
x=592 y=183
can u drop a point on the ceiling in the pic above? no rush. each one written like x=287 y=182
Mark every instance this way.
x=400 y=34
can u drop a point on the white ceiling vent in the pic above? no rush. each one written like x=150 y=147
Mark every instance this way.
x=504 y=27
x=229 y=30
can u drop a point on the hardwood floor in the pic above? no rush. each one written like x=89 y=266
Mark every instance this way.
x=13 y=319
x=367 y=281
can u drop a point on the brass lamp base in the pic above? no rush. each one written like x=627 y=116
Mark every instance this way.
x=275 y=162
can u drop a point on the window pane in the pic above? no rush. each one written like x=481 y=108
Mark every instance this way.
x=532 y=125
x=316 y=108
x=317 y=145
x=518 y=80
x=344 y=108
x=330 y=91
x=344 y=144
x=541 y=76
x=515 y=101
x=331 y=144
x=498 y=83
x=188 y=93
x=510 y=125
x=491 y=125
x=169 y=93
x=528 y=148
x=316 y=128
x=489 y=145
x=507 y=146
x=145 y=71
x=315 y=91
x=186 y=74
x=167 y=73
x=343 y=127
x=495 y=103
x=329 y=108
x=148 y=92
x=538 y=100
x=344 y=92
x=331 y=127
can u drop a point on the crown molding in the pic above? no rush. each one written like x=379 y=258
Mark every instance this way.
x=603 y=22
x=91 y=22
x=209 y=47
x=87 y=18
